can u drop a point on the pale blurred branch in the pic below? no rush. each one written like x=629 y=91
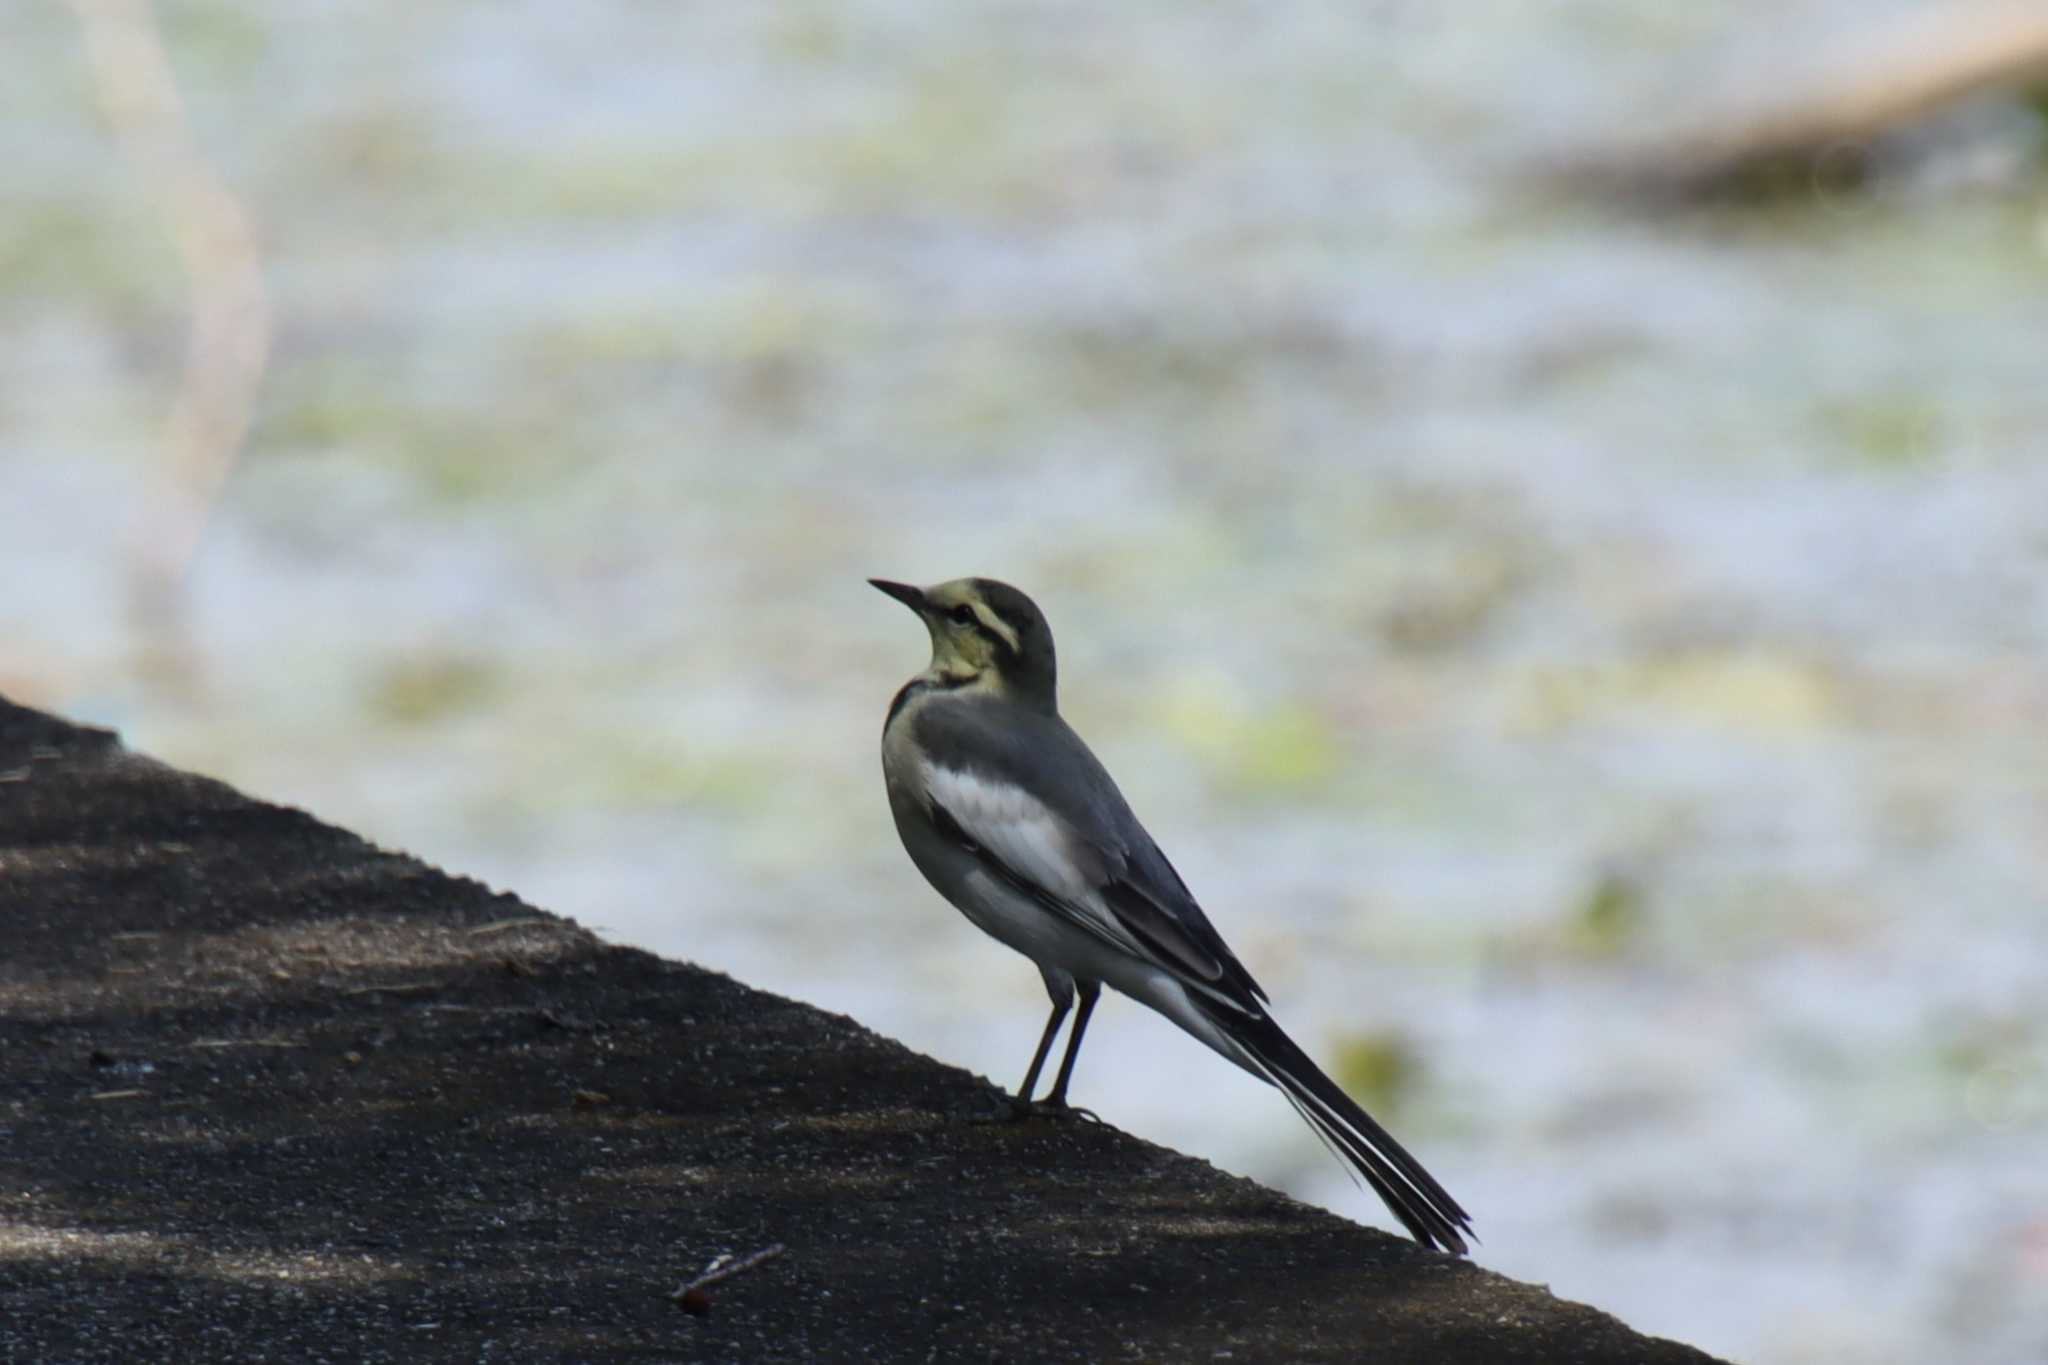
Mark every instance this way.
x=227 y=340
x=1834 y=102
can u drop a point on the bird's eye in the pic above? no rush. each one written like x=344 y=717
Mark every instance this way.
x=962 y=613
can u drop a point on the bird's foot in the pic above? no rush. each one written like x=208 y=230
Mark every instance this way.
x=1018 y=1110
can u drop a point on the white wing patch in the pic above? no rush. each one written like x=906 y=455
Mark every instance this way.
x=1018 y=830
x=1036 y=846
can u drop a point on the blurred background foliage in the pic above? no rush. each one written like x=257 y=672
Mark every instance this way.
x=1542 y=507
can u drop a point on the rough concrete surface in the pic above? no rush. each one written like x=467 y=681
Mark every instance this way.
x=270 y=1093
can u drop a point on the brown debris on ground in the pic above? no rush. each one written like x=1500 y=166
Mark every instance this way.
x=269 y=1092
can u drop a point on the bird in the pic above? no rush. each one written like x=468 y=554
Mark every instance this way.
x=1011 y=817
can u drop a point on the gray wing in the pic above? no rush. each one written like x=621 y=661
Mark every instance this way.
x=1020 y=790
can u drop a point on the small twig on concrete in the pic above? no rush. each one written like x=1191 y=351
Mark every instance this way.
x=700 y=1302
x=499 y=926
x=242 y=1042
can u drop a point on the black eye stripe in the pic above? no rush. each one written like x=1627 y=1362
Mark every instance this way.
x=966 y=615
x=1014 y=622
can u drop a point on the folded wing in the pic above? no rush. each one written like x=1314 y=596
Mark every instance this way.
x=1129 y=898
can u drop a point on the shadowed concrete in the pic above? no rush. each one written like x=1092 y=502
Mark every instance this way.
x=267 y=1091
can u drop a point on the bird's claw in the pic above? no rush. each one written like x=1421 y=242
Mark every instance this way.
x=1015 y=1110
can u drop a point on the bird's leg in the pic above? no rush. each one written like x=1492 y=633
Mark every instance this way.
x=1091 y=991
x=1060 y=1005
x=1021 y=1107
x=1054 y=1105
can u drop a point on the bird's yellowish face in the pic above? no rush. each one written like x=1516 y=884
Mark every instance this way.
x=969 y=640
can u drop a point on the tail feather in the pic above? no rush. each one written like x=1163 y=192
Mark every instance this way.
x=1410 y=1193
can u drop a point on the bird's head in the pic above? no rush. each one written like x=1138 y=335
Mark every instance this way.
x=985 y=634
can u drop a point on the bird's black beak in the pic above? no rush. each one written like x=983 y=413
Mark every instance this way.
x=903 y=592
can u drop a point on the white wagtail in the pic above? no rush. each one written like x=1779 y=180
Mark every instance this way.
x=1013 y=820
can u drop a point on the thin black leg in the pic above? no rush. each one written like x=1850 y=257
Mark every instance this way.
x=1060 y=1006
x=1090 y=992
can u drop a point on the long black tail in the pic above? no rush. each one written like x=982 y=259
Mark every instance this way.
x=1431 y=1216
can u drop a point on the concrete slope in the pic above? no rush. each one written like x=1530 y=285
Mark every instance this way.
x=269 y=1092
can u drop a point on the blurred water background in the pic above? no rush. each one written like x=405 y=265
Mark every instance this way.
x=1589 y=662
